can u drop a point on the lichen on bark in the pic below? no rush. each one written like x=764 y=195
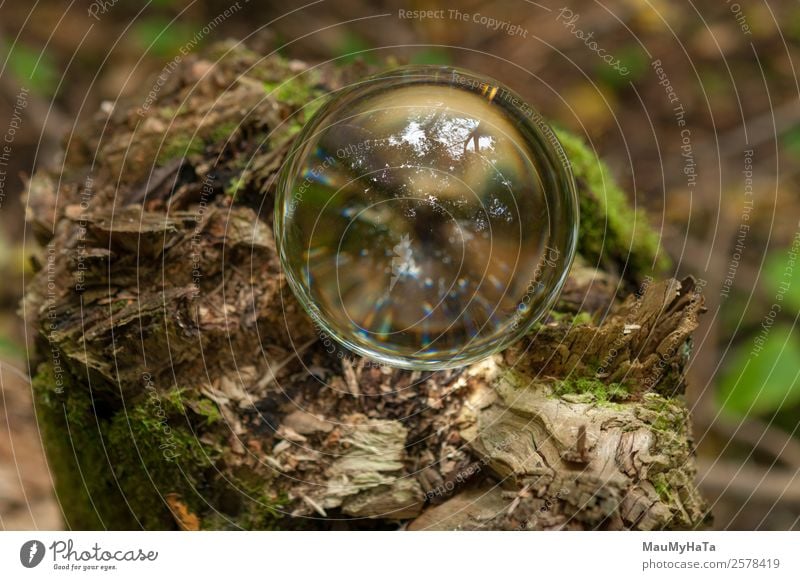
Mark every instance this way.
x=191 y=391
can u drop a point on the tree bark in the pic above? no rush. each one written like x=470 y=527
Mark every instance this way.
x=180 y=384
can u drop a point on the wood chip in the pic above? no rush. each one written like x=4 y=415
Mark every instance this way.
x=306 y=423
x=185 y=519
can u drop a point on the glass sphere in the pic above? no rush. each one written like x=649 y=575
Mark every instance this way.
x=426 y=217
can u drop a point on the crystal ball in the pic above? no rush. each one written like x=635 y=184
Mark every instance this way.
x=426 y=217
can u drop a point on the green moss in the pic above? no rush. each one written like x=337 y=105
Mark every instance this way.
x=662 y=487
x=602 y=393
x=114 y=473
x=267 y=512
x=178 y=146
x=174 y=401
x=259 y=510
x=610 y=230
x=310 y=109
x=222 y=133
x=663 y=414
x=73 y=438
x=262 y=512
x=249 y=494
x=592 y=389
x=235 y=185
x=515 y=379
x=297 y=90
x=571 y=319
x=208 y=410
x=668 y=419
x=302 y=92
x=155 y=452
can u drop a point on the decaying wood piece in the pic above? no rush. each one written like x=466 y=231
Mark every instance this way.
x=180 y=385
x=581 y=453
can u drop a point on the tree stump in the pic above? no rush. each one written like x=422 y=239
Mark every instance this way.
x=180 y=385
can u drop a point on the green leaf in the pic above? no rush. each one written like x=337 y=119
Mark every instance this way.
x=353 y=47
x=631 y=58
x=783 y=279
x=430 y=56
x=763 y=382
x=33 y=68
x=10 y=348
x=791 y=141
x=164 y=39
x=792 y=24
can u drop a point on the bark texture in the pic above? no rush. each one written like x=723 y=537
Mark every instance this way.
x=181 y=385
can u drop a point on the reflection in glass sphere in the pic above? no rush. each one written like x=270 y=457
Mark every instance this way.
x=426 y=217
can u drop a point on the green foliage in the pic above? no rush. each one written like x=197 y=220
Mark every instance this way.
x=353 y=47
x=717 y=84
x=763 y=382
x=34 y=69
x=791 y=25
x=431 y=55
x=633 y=58
x=781 y=279
x=791 y=141
x=10 y=348
x=162 y=38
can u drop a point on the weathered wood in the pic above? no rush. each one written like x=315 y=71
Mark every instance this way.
x=181 y=385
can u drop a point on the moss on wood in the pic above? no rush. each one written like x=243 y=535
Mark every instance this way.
x=613 y=235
